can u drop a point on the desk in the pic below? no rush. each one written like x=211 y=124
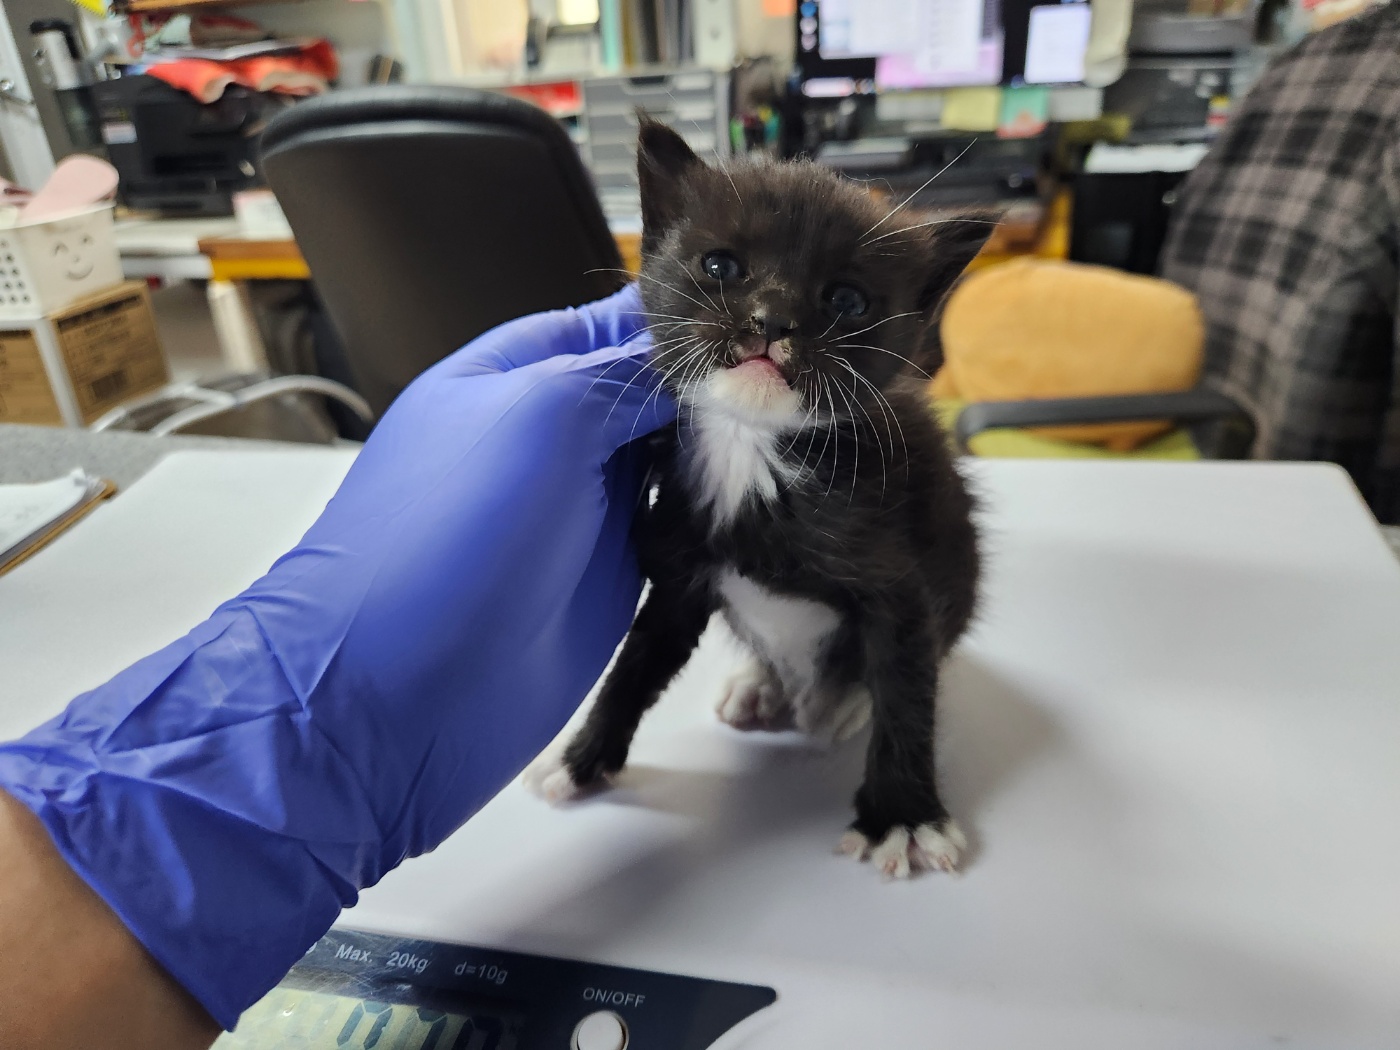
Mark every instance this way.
x=1047 y=238
x=230 y=260
x=31 y=453
x=233 y=258
x=1172 y=735
x=212 y=250
x=168 y=249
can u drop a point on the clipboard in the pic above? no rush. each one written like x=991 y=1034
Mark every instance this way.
x=96 y=491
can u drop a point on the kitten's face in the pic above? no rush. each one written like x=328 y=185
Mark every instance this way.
x=780 y=293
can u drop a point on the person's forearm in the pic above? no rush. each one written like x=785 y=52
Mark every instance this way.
x=71 y=975
x=228 y=795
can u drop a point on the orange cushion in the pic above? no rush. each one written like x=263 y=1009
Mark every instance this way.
x=1034 y=328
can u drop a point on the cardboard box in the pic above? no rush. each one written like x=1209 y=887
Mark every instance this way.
x=25 y=393
x=76 y=364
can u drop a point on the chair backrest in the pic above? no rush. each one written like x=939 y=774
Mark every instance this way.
x=429 y=214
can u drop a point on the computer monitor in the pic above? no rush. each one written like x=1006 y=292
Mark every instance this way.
x=905 y=44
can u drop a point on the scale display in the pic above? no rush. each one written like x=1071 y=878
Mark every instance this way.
x=359 y=991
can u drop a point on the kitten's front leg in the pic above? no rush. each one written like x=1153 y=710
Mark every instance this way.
x=663 y=635
x=901 y=824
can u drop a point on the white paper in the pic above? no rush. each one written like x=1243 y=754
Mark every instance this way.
x=949 y=35
x=1107 y=158
x=880 y=27
x=1056 y=43
x=26 y=510
x=232 y=53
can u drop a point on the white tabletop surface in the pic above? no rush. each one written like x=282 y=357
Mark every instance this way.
x=1174 y=736
x=170 y=236
x=168 y=248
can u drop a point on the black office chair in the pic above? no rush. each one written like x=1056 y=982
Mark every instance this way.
x=429 y=214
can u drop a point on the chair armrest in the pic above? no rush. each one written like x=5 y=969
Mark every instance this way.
x=261 y=391
x=1233 y=440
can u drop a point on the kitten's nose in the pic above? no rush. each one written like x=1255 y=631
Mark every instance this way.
x=772 y=326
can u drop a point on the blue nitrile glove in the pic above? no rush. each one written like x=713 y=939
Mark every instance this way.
x=430 y=634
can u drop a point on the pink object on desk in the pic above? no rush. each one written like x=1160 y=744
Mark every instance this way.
x=77 y=182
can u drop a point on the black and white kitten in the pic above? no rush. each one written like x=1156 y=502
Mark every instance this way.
x=806 y=492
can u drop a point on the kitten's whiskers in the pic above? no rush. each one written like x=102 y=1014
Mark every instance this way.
x=855 y=436
x=648 y=277
x=802 y=471
x=886 y=410
x=683 y=365
x=614 y=363
x=731 y=183
x=877 y=324
x=934 y=222
x=836 y=432
x=695 y=281
x=691 y=369
x=660 y=386
x=686 y=320
x=874 y=433
x=918 y=191
x=645 y=372
x=801 y=427
x=882 y=350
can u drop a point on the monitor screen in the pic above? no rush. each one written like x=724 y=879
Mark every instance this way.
x=917 y=43
x=910 y=44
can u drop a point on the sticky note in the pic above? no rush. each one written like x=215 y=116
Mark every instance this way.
x=971 y=109
x=1024 y=111
x=1076 y=103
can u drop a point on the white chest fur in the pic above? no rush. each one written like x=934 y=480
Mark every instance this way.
x=733 y=460
x=789 y=634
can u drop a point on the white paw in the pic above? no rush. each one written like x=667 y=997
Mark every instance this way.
x=901 y=852
x=549 y=778
x=752 y=699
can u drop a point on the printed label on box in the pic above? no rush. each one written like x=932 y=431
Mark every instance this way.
x=112 y=353
x=25 y=393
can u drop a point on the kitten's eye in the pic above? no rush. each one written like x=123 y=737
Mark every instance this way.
x=845 y=300
x=721 y=266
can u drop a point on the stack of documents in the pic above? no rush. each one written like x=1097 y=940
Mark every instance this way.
x=31 y=515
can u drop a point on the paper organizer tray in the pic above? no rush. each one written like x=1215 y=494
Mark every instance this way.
x=46 y=265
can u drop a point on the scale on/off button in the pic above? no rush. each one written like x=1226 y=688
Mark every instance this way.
x=602 y=1030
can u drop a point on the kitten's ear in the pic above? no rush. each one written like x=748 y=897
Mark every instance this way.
x=954 y=244
x=663 y=162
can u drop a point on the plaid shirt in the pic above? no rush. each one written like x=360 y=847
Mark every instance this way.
x=1287 y=233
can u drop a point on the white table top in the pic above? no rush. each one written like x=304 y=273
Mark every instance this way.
x=170 y=236
x=168 y=248
x=1174 y=736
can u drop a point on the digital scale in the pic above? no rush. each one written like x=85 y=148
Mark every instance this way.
x=366 y=992
x=1172 y=738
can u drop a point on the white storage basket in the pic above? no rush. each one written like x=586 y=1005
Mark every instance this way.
x=46 y=265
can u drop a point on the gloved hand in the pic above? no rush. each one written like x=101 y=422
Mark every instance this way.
x=430 y=634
